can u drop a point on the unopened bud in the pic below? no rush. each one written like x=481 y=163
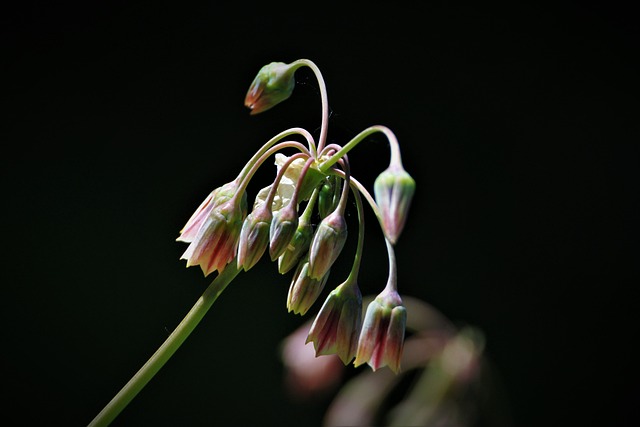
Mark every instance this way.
x=273 y=84
x=296 y=248
x=327 y=244
x=394 y=189
x=283 y=227
x=254 y=237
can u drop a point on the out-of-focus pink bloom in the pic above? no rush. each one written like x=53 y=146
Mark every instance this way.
x=305 y=374
x=382 y=336
x=335 y=330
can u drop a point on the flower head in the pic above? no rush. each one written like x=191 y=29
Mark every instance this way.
x=335 y=329
x=382 y=337
x=304 y=290
x=328 y=241
x=273 y=84
x=216 y=242
x=394 y=189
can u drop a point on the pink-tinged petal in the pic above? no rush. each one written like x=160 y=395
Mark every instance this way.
x=189 y=231
x=216 y=198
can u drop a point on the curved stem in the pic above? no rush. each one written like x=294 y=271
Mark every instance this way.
x=272 y=141
x=261 y=159
x=166 y=350
x=323 y=97
x=353 y=274
x=393 y=141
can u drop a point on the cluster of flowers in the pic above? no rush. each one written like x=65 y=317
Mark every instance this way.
x=317 y=181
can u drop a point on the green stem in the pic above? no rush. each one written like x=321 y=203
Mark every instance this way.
x=274 y=140
x=323 y=98
x=166 y=350
x=395 y=149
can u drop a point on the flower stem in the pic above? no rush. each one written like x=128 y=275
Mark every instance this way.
x=395 y=150
x=166 y=350
x=323 y=98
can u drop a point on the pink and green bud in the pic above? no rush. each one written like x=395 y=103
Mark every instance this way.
x=304 y=291
x=327 y=244
x=394 y=189
x=283 y=227
x=329 y=196
x=297 y=247
x=215 y=198
x=216 y=242
x=336 y=327
x=254 y=237
x=382 y=337
x=273 y=84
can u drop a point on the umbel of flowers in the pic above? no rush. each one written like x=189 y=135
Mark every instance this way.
x=315 y=183
x=299 y=220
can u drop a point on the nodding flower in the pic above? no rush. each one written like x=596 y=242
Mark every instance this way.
x=273 y=84
x=337 y=326
x=382 y=337
x=216 y=242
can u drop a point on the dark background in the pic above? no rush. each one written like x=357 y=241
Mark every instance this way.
x=519 y=124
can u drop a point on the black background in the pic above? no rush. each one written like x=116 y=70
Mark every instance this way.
x=518 y=122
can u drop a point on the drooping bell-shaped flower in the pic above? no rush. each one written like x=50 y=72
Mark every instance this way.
x=216 y=242
x=215 y=198
x=394 y=189
x=336 y=327
x=304 y=291
x=273 y=84
x=254 y=237
x=327 y=243
x=382 y=337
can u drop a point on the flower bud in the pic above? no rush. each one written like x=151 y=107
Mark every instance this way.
x=297 y=247
x=254 y=237
x=304 y=290
x=327 y=244
x=336 y=327
x=329 y=196
x=283 y=227
x=273 y=84
x=382 y=337
x=394 y=189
